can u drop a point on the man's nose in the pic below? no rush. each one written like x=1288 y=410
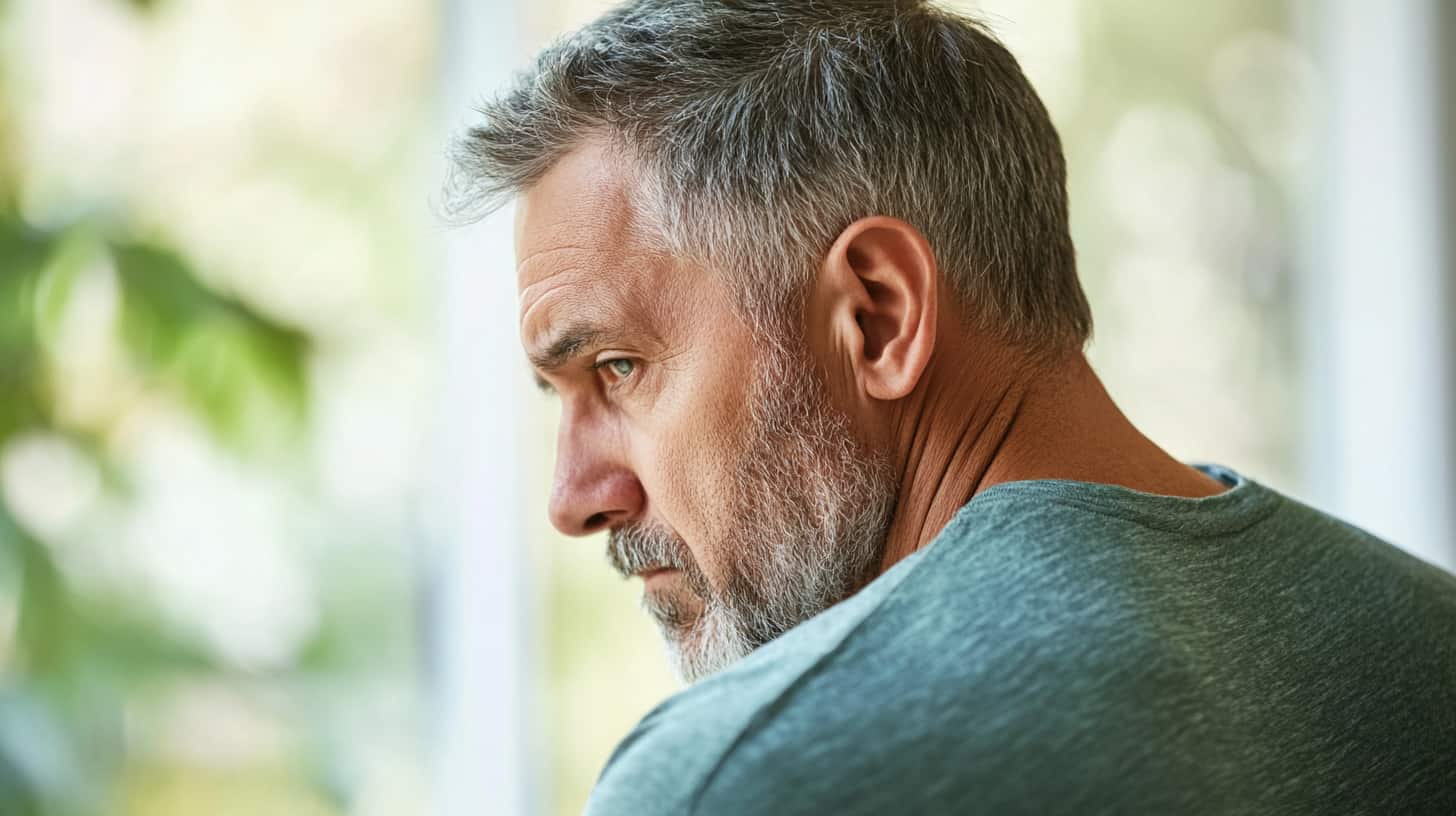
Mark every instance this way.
x=593 y=489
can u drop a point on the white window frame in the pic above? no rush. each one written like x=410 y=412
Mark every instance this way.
x=1378 y=345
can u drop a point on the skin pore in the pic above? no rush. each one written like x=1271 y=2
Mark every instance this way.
x=752 y=486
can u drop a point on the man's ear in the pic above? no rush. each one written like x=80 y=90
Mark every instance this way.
x=878 y=291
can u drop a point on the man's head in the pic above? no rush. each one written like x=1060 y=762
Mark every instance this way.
x=739 y=225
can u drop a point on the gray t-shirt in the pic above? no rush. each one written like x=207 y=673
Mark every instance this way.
x=1064 y=647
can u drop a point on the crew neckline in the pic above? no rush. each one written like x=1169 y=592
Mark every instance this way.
x=1243 y=504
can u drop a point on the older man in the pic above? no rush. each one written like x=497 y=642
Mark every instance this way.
x=801 y=276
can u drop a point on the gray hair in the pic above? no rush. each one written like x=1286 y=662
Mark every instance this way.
x=762 y=129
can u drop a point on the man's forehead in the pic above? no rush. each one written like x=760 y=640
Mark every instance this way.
x=582 y=207
x=586 y=258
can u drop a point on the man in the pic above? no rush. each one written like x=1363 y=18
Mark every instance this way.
x=801 y=277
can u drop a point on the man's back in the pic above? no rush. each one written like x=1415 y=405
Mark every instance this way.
x=1069 y=647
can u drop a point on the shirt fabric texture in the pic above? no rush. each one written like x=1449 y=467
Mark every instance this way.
x=1067 y=647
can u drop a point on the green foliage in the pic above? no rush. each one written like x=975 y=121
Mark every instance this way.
x=93 y=670
x=216 y=351
x=23 y=255
x=77 y=657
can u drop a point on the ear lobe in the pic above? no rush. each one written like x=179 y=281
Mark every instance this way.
x=886 y=281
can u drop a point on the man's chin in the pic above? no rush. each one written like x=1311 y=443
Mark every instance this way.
x=704 y=645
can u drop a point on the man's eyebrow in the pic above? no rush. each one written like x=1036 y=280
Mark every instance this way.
x=565 y=345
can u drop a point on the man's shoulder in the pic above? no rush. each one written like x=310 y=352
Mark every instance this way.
x=1024 y=654
x=662 y=764
x=669 y=759
x=677 y=751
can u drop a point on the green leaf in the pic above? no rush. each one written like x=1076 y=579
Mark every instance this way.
x=72 y=252
x=24 y=253
x=240 y=369
x=45 y=631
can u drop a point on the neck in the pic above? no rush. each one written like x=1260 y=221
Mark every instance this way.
x=1039 y=421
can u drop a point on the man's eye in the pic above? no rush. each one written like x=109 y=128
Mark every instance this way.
x=621 y=366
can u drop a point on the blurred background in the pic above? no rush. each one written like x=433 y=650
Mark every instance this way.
x=272 y=475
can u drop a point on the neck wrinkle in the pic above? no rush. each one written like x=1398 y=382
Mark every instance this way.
x=954 y=441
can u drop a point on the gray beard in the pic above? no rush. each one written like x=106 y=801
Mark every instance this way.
x=810 y=509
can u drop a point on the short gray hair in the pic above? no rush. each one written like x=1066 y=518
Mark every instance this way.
x=762 y=129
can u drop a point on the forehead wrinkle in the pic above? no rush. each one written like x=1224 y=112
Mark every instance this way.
x=586 y=253
x=572 y=297
x=539 y=254
x=592 y=273
x=630 y=294
x=580 y=319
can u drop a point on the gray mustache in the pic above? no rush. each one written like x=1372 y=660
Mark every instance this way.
x=636 y=548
